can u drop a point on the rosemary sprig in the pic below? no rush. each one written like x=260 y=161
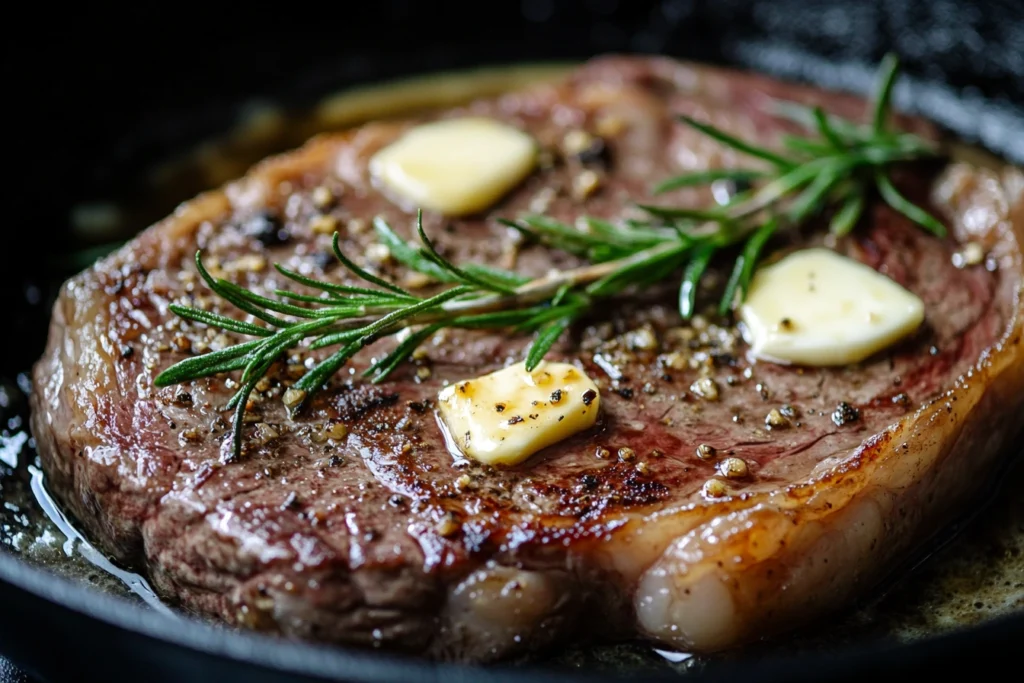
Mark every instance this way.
x=831 y=169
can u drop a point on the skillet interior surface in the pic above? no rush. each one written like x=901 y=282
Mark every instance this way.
x=90 y=143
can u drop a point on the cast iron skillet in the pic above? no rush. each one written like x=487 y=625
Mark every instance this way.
x=135 y=90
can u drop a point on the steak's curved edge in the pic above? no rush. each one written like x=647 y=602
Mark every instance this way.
x=66 y=414
x=800 y=553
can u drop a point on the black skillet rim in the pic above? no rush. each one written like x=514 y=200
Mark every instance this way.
x=327 y=663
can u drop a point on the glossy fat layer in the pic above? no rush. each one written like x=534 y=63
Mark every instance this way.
x=352 y=523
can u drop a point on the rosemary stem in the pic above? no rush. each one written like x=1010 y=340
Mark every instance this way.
x=542 y=288
x=533 y=292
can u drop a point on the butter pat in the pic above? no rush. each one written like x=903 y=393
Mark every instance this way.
x=505 y=417
x=815 y=307
x=456 y=166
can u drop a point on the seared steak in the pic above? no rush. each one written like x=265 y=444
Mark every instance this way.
x=352 y=522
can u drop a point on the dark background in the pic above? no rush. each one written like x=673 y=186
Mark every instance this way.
x=115 y=84
x=93 y=95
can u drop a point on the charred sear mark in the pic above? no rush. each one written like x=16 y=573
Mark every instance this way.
x=588 y=397
x=265 y=227
x=356 y=401
x=615 y=486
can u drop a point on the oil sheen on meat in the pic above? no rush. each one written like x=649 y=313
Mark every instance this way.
x=351 y=523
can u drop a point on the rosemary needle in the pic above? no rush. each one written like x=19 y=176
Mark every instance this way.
x=829 y=170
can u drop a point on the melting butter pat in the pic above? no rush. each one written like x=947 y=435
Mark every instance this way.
x=455 y=166
x=815 y=307
x=505 y=417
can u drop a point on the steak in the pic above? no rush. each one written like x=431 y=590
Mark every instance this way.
x=352 y=523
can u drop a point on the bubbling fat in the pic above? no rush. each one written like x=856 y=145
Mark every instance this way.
x=690 y=602
x=500 y=609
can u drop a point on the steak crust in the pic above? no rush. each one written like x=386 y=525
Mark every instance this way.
x=351 y=523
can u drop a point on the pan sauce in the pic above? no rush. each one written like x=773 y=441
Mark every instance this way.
x=976 y=577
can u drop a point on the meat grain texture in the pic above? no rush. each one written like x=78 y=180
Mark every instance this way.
x=352 y=524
